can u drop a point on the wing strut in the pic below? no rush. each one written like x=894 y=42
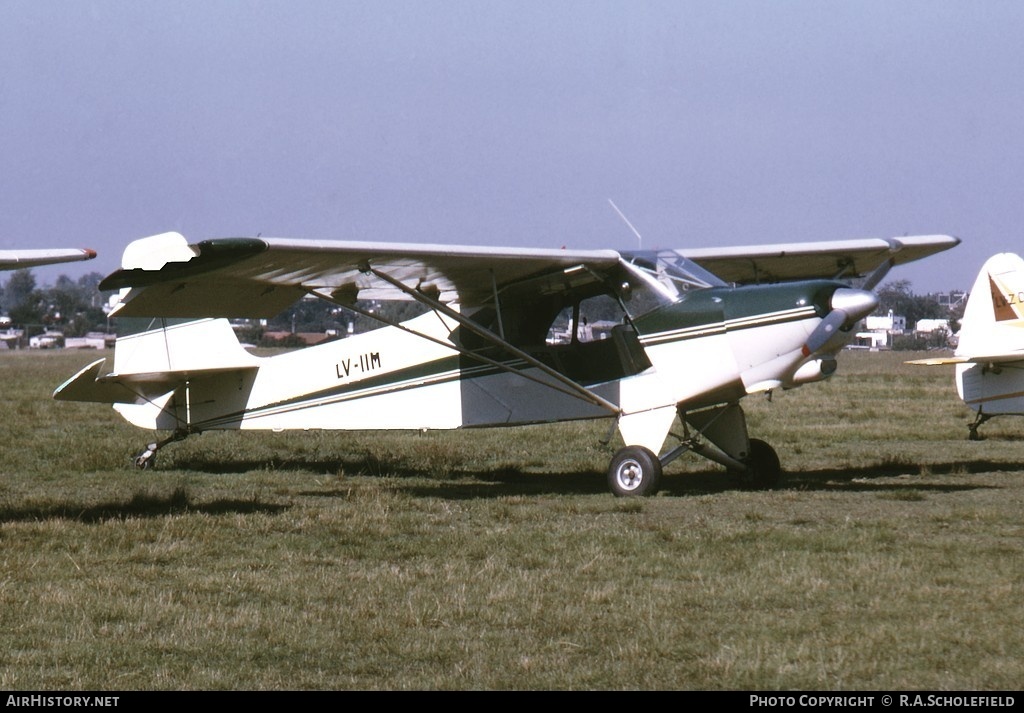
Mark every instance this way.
x=573 y=387
x=497 y=305
x=877 y=275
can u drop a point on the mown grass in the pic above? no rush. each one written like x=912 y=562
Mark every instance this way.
x=890 y=559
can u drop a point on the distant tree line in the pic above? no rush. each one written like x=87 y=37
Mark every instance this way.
x=898 y=297
x=75 y=307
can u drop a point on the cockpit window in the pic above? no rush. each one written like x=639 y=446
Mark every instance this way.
x=589 y=320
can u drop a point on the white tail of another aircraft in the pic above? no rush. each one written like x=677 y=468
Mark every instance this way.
x=990 y=356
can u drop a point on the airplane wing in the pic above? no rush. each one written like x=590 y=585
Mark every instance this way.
x=804 y=261
x=18 y=259
x=259 y=277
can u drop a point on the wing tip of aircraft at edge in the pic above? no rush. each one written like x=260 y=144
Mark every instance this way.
x=937 y=243
x=22 y=259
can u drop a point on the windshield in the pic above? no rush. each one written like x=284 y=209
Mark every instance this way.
x=672 y=269
x=659 y=277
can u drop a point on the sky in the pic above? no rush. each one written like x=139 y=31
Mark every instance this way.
x=512 y=123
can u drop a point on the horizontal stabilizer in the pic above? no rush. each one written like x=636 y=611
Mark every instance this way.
x=86 y=386
x=90 y=384
x=973 y=359
x=938 y=361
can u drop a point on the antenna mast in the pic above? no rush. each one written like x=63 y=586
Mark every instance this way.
x=639 y=238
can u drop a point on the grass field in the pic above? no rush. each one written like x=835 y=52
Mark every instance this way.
x=889 y=560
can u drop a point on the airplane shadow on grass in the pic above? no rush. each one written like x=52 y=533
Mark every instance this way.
x=140 y=506
x=503 y=482
x=869 y=479
x=506 y=482
x=873 y=478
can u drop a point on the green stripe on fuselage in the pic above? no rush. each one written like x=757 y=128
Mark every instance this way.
x=721 y=305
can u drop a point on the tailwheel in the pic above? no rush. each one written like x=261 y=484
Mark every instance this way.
x=634 y=470
x=973 y=434
x=146 y=458
x=763 y=468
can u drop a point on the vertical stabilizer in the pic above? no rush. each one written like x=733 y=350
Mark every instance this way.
x=199 y=345
x=989 y=378
x=993 y=322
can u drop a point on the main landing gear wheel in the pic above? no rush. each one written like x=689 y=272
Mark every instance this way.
x=634 y=471
x=763 y=469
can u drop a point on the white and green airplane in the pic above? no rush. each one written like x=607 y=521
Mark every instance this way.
x=509 y=336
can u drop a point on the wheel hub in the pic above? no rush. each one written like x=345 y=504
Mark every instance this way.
x=630 y=474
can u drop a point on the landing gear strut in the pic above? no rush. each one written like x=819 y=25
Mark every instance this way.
x=720 y=435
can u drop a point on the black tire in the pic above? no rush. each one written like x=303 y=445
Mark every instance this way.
x=634 y=471
x=764 y=471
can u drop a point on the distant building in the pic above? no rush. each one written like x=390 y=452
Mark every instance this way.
x=92 y=340
x=870 y=340
x=930 y=326
x=878 y=331
x=952 y=300
x=891 y=323
x=47 y=340
x=12 y=338
x=937 y=332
